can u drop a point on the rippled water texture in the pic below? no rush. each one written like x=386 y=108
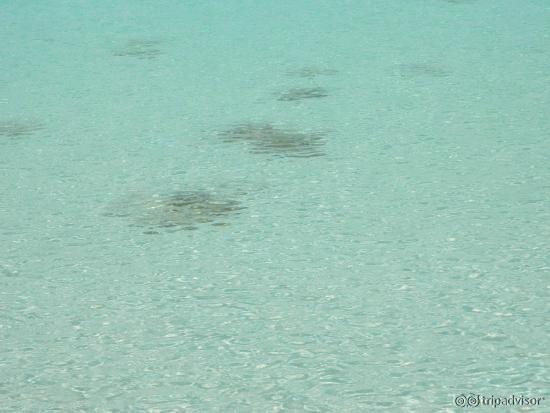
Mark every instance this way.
x=274 y=206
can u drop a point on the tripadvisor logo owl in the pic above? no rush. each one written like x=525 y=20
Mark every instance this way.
x=475 y=400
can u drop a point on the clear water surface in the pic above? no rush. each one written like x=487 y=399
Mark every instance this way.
x=273 y=206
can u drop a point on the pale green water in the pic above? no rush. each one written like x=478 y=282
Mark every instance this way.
x=405 y=264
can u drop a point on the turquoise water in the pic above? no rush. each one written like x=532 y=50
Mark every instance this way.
x=273 y=206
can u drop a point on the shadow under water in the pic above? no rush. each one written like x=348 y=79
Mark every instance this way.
x=268 y=139
x=18 y=129
x=182 y=210
x=303 y=93
x=140 y=49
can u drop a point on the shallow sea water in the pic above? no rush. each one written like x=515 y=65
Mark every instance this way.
x=273 y=206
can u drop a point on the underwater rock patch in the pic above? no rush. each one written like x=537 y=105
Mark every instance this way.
x=182 y=210
x=310 y=72
x=18 y=129
x=413 y=70
x=140 y=49
x=303 y=93
x=264 y=138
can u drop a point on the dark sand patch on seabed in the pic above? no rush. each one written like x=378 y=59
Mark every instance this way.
x=19 y=128
x=265 y=138
x=145 y=49
x=176 y=211
x=303 y=93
